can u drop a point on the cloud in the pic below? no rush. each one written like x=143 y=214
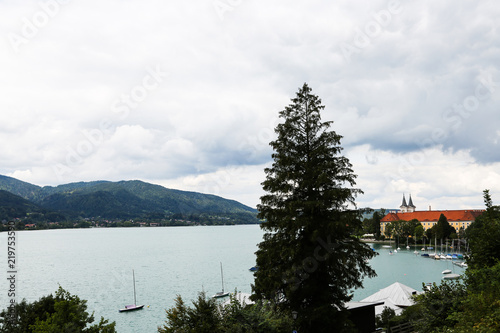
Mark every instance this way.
x=432 y=176
x=176 y=92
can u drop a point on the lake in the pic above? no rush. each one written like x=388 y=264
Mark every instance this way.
x=97 y=264
x=403 y=266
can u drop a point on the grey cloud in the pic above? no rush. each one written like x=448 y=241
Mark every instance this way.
x=230 y=75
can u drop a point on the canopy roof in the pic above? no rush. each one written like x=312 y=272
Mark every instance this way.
x=397 y=294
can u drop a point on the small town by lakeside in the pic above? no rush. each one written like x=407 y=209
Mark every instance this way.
x=19 y=224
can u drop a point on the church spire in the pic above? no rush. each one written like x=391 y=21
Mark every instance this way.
x=404 y=206
x=411 y=206
x=410 y=203
x=404 y=202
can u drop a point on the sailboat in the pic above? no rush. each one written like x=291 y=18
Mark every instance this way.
x=221 y=294
x=132 y=307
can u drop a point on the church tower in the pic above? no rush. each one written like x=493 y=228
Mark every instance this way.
x=407 y=207
x=411 y=206
x=404 y=206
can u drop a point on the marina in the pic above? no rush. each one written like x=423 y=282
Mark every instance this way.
x=410 y=266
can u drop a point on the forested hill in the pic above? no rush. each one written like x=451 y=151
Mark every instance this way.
x=124 y=199
x=12 y=206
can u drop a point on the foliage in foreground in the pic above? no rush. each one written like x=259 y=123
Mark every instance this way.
x=208 y=315
x=469 y=306
x=53 y=314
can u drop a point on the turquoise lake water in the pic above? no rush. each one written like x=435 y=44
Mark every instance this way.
x=404 y=266
x=96 y=265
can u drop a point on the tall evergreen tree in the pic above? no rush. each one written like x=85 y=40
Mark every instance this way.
x=377 y=216
x=442 y=228
x=308 y=260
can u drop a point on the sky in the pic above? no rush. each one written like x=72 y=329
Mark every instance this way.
x=186 y=94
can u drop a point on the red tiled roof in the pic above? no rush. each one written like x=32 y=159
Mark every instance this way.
x=433 y=215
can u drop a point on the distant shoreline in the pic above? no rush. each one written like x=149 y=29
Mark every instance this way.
x=368 y=240
x=4 y=228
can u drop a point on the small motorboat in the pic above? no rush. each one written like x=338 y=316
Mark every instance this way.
x=446 y=271
x=460 y=264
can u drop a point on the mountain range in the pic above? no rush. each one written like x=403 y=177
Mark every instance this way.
x=112 y=200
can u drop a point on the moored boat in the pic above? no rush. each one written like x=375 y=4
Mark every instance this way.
x=451 y=276
x=134 y=306
x=221 y=294
x=460 y=264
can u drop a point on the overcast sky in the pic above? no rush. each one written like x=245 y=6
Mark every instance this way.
x=186 y=94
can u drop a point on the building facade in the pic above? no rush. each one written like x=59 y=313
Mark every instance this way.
x=456 y=218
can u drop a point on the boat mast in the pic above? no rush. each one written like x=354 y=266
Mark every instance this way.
x=133 y=276
x=222 y=277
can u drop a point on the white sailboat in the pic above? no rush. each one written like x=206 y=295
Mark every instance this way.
x=134 y=306
x=221 y=294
